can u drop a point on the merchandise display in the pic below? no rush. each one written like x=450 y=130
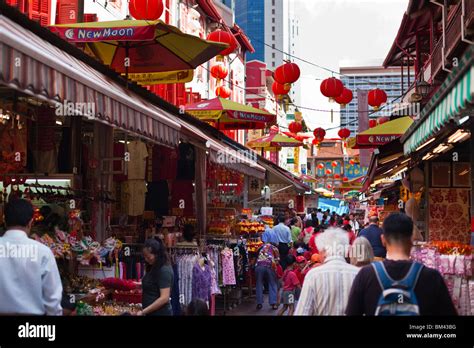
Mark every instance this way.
x=250 y=227
x=267 y=220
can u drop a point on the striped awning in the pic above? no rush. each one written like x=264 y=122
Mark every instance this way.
x=38 y=68
x=441 y=109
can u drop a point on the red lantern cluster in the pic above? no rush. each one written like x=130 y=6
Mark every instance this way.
x=287 y=74
x=344 y=133
x=345 y=97
x=280 y=89
x=376 y=97
x=319 y=134
x=334 y=164
x=295 y=127
x=223 y=92
x=372 y=123
x=331 y=88
x=219 y=71
x=328 y=171
x=321 y=165
x=226 y=38
x=146 y=9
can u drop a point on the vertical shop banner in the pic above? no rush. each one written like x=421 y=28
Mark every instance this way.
x=449 y=215
x=274 y=157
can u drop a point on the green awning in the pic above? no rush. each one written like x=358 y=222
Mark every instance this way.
x=440 y=110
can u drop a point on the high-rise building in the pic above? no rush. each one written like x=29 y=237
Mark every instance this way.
x=367 y=77
x=273 y=30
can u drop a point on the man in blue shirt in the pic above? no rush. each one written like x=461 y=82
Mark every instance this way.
x=269 y=236
x=283 y=235
x=374 y=234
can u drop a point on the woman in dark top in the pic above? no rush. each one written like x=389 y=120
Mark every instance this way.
x=157 y=281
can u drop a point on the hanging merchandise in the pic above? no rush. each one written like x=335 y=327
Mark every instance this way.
x=133 y=197
x=345 y=97
x=146 y=9
x=186 y=165
x=202 y=280
x=331 y=88
x=287 y=74
x=157 y=197
x=164 y=163
x=228 y=270
x=136 y=160
x=376 y=97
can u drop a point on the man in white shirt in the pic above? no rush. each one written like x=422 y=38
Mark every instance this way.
x=354 y=224
x=319 y=215
x=29 y=278
x=326 y=288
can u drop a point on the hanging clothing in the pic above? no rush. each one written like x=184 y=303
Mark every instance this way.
x=202 y=282
x=119 y=152
x=185 y=264
x=186 y=157
x=164 y=163
x=133 y=197
x=182 y=193
x=175 y=296
x=137 y=160
x=157 y=197
x=228 y=270
x=214 y=285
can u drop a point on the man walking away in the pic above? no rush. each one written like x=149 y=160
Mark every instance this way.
x=283 y=235
x=29 y=281
x=399 y=275
x=326 y=288
x=374 y=235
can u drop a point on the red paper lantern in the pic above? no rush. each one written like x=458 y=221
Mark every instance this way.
x=219 y=71
x=316 y=142
x=329 y=186
x=223 y=37
x=223 y=92
x=280 y=89
x=352 y=161
x=372 y=123
x=295 y=127
x=337 y=176
x=345 y=97
x=287 y=73
x=146 y=9
x=382 y=120
x=376 y=97
x=321 y=165
x=328 y=171
x=319 y=134
x=331 y=88
x=345 y=179
x=334 y=164
x=344 y=133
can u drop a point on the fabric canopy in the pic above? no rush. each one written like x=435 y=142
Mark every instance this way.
x=274 y=140
x=449 y=102
x=381 y=134
x=230 y=115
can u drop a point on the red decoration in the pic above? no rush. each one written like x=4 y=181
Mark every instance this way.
x=345 y=179
x=372 y=123
x=376 y=97
x=223 y=37
x=352 y=161
x=344 y=133
x=319 y=134
x=328 y=171
x=287 y=73
x=316 y=142
x=332 y=88
x=329 y=186
x=280 y=89
x=274 y=129
x=146 y=9
x=337 y=176
x=345 y=97
x=382 y=120
x=321 y=165
x=223 y=92
x=219 y=71
x=334 y=164
x=295 y=127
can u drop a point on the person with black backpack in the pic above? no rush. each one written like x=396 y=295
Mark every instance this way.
x=399 y=286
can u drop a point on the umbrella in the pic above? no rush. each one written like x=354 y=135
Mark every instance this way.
x=228 y=114
x=156 y=52
x=297 y=136
x=308 y=178
x=273 y=140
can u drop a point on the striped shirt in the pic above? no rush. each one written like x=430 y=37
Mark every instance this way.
x=326 y=288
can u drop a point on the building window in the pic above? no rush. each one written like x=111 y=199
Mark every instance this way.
x=273 y=2
x=273 y=55
x=273 y=20
x=273 y=64
x=273 y=11
x=273 y=37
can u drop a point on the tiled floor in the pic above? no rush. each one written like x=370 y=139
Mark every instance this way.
x=249 y=307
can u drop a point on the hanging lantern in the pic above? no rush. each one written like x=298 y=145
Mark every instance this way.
x=279 y=89
x=316 y=142
x=376 y=97
x=372 y=123
x=223 y=92
x=329 y=186
x=382 y=120
x=219 y=71
x=319 y=134
x=337 y=176
x=345 y=97
x=334 y=164
x=328 y=171
x=331 y=88
x=295 y=127
x=320 y=165
x=146 y=9
x=352 y=161
x=345 y=179
x=226 y=38
x=287 y=74
x=344 y=133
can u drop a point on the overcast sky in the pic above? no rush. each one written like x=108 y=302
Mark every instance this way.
x=341 y=32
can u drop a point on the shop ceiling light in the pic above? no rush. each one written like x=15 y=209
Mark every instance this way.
x=441 y=148
x=459 y=136
x=463 y=120
x=464 y=172
x=391 y=158
x=428 y=156
x=428 y=142
x=405 y=161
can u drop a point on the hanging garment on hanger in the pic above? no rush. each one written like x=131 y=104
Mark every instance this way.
x=133 y=197
x=202 y=282
x=137 y=160
x=175 y=294
x=228 y=270
x=157 y=197
x=164 y=163
x=186 y=157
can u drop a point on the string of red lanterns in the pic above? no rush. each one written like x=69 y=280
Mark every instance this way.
x=225 y=37
x=376 y=97
x=223 y=92
x=287 y=74
x=146 y=9
x=295 y=127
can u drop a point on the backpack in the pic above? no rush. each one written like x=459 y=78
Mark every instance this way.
x=398 y=296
